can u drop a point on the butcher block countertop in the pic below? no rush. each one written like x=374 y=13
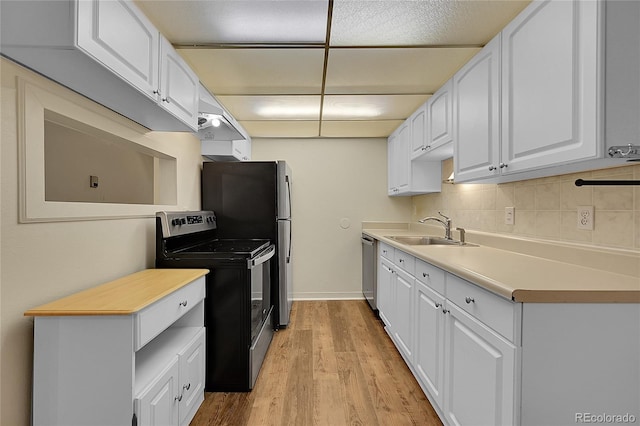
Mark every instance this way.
x=124 y=296
x=555 y=275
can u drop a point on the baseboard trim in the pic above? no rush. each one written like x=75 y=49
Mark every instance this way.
x=351 y=295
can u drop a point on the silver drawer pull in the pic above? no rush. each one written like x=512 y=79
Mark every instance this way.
x=186 y=387
x=401 y=260
x=445 y=311
x=184 y=303
x=438 y=305
x=178 y=398
x=424 y=274
x=469 y=300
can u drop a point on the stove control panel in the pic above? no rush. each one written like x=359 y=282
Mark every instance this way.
x=189 y=222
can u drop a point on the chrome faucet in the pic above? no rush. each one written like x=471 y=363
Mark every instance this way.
x=446 y=223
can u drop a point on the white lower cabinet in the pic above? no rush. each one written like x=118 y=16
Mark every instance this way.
x=157 y=404
x=175 y=393
x=482 y=359
x=403 y=288
x=429 y=351
x=466 y=368
x=479 y=372
x=145 y=367
x=384 y=299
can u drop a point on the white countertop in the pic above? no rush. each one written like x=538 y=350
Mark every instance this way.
x=522 y=277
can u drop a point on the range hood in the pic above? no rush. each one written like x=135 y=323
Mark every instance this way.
x=214 y=123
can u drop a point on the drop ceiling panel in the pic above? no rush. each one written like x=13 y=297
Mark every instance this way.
x=370 y=107
x=393 y=70
x=359 y=129
x=264 y=21
x=258 y=71
x=404 y=23
x=281 y=129
x=272 y=107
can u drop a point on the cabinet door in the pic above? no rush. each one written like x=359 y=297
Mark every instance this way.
x=549 y=85
x=403 y=287
x=179 y=85
x=192 y=365
x=439 y=117
x=476 y=108
x=391 y=160
x=429 y=348
x=157 y=405
x=418 y=124
x=479 y=373
x=118 y=35
x=401 y=160
x=385 y=295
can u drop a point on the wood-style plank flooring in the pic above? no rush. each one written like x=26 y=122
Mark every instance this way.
x=334 y=365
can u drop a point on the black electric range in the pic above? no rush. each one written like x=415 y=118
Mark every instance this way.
x=238 y=309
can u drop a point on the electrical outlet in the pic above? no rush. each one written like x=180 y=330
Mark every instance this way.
x=509 y=215
x=585 y=217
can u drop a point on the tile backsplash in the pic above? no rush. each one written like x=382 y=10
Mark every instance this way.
x=544 y=208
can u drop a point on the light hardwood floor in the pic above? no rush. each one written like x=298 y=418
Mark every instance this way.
x=334 y=365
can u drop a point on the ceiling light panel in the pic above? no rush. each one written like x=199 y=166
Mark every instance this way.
x=255 y=21
x=370 y=107
x=359 y=129
x=393 y=70
x=272 y=107
x=427 y=22
x=258 y=71
x=281 y=129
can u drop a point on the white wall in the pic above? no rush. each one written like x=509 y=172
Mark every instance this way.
x=336 y=182
x=45 y=261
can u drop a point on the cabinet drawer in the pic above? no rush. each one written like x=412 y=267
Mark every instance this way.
x=153 y=319
x=430 y=275
x=405 y=262
x=490 y=309
x=386 y=251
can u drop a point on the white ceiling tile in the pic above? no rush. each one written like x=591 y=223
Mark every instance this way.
x=272 y=107
x=239 y=21
x=431 y=22
x=393 y=70
x=370 y=107
x=281 y=129
x=257 y=71
x=359 y=129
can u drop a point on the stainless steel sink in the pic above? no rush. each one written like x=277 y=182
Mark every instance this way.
x=428 y=241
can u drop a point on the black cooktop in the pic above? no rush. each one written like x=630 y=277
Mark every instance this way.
x=248 y=248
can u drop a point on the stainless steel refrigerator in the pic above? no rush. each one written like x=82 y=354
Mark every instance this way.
x=253 y=200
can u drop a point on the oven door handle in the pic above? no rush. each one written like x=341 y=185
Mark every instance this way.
x=264 y=255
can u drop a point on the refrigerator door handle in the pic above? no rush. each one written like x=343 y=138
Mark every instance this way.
x=289 y=193
x=289 y=254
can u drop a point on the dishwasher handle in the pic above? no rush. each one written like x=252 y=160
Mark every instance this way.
x=367 y=240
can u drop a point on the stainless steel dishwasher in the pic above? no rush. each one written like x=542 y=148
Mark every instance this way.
x=369 y=267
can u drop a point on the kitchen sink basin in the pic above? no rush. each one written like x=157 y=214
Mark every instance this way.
x=428 y=241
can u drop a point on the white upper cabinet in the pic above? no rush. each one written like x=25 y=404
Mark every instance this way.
x=108 y=51
x=549 y=85
x=432 y=127
x=551 y=94
x=476 y=114
x=179 y=85
x=418 y=123
x=130 y=48
x=398 y=160
x=439 y=135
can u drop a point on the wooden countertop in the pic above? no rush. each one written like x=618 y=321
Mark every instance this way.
x=124 y=296
x=522 y=277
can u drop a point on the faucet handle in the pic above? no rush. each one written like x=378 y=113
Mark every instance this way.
x=446 y=217
x=462 y=232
